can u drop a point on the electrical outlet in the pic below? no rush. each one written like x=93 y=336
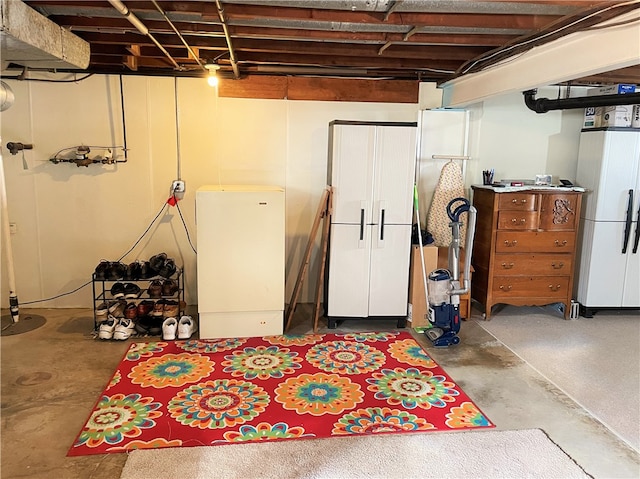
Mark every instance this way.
x=178 y=189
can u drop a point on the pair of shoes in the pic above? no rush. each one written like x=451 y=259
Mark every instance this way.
x=185 y=328
x=127 y=290
x=100 y=272
x=133 y=272
x=165 y=308
x=117 y=308
x=102 y=311
x=149 y=325
x=155 y=289
x=163 y=266
x=169 y=287
x=115 y=328
x=115 y=271
x=145 y=307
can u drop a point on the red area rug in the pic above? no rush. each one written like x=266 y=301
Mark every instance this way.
x=197 y=392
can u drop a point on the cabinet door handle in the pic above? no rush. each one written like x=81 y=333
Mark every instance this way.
x=560 y=244
x=361 y=224
x=510 y=244
x=507 y=265
x=559 y=265
x=555 y=288
x=505 y=288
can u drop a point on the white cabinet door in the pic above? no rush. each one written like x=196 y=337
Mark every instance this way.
x=602 y=265
x=389 y=275
x=351 y=173
x=349 y=259
x=607 y=168
x=394 y=173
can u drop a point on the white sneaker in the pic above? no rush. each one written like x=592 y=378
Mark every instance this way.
x=186 y=327
x=124 y=329
x=169 y=327
x=107 y=328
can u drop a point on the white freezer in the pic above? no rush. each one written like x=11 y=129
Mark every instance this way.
x=241 y=257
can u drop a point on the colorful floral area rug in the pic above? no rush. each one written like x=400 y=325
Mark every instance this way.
x=211 y=392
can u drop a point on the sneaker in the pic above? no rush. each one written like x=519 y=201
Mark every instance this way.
x=145 y=307
x=145 y=270
x=133 y=271
x=124 y=329
x=169 y=327
x=169 y=287
x=107 y=328
x=117 y=308
x=171 y=309
x=132 y=291
x=116 y=271
x=100 y=272
x=131 y=311
x=117 y=290
x=155 y=289
x=168 y=268
x=157 y=261
x=186 y=327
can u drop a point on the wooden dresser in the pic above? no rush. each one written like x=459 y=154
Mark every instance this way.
x=525 y=246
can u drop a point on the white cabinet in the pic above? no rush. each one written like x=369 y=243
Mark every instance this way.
x=241 y=249
x=609 y=267
x=371 y=169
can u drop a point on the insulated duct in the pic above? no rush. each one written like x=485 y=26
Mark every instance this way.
x=32 y=40
x=543 y=105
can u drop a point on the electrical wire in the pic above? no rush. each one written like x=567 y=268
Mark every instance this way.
x=20 y=78
x=164 y=205
x=185 y=228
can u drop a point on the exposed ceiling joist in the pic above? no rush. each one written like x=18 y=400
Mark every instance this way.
x=579 y=54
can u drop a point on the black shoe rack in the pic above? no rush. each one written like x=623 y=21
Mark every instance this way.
x=102 y=292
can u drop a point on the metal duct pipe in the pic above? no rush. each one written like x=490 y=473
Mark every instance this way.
x=136 y=22
x=543 y=105
x=227 y=36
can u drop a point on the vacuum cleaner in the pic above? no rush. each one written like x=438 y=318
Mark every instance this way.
x=444 y=288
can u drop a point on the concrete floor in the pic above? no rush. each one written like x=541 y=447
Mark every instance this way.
x=52 y=376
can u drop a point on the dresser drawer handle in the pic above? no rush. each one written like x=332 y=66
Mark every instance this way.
x=555 y=288
x=514 y=201
x=516 y=220
x=510 y=244
x=557 y=265
x=505 y=288
x=507 y=265
x=561 y=243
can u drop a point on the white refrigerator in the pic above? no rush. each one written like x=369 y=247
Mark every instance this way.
x=241 y=260
x=371 y=170
x=608 y=273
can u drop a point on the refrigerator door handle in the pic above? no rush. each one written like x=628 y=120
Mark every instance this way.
x=636 y=238
x=627 y=226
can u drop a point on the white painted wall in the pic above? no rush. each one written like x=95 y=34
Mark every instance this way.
x=69 y=218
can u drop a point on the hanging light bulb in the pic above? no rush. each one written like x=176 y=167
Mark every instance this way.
x=212 y=78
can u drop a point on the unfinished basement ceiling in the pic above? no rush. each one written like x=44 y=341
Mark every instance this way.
x=426 y=40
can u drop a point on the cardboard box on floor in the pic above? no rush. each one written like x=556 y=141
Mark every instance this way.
x=434 y=258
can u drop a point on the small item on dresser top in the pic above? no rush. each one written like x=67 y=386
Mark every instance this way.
x=517 y=183
x=487 y=176
x=543 y=180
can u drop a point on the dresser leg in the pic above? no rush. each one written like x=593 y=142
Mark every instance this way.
x=487 y=312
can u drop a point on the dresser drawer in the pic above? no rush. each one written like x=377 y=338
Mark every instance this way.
x=517 y=220
x=535 y=241
x=533 y=286
x=533 y=264
x=517 y=201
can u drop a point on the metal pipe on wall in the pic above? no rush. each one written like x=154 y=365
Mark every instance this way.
x=543 y=105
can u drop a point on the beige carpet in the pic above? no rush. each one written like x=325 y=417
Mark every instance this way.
x=481 y=454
